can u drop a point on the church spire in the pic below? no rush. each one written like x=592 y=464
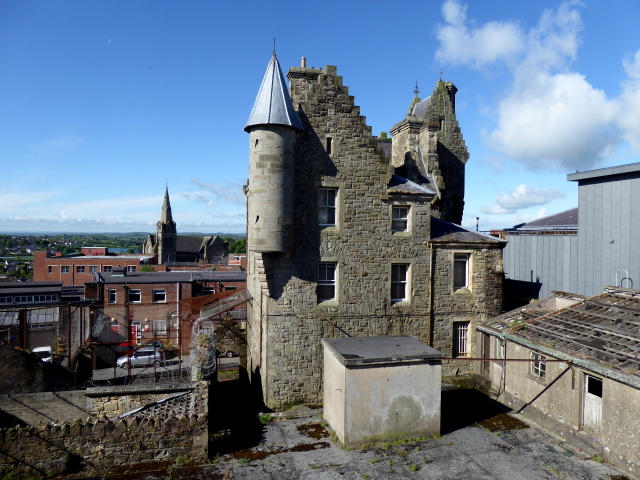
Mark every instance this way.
x=166 y=216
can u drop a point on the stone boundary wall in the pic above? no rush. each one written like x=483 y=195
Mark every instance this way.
x=158 y=424
x=93 y=446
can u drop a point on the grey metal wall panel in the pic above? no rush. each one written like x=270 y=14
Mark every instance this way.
x=541 y=258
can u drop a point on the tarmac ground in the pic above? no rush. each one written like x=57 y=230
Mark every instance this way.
x=479 y=440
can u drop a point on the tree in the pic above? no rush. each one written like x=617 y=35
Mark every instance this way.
x=147 y=268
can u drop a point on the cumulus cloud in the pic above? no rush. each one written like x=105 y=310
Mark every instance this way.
x=556 y=122
x=476 y=46
x=629 y=119
x=524 y=196
x=550 y=118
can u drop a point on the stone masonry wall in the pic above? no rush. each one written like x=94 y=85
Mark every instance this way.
x=69 y=447
x=89 y=434
x=285 y=319
x=361 y=243
x=478 y=303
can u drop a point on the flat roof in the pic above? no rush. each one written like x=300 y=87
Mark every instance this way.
x=604 y=172
x=354 y=351
x=173 y=277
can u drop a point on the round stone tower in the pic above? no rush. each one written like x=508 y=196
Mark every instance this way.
x=272 y=128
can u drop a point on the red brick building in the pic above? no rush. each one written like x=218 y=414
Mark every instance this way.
x=138 y=307
x=79 y=269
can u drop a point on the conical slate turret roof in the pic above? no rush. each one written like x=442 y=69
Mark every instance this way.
x=273 y=105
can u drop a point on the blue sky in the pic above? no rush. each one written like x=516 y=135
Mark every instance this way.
x=103 y=102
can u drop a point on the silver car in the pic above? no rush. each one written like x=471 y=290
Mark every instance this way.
x=143 y=357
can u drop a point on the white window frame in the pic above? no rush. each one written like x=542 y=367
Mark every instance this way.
x=81 y=269
x=159 y=327
x=327 y=279
x=50 y=268
x=107 y=268
x=460 y=346
x=93 y=269
x=400 y=273
x=538 y=365
x=400 y=216
x=156 y=293
x=134 y=292
x=327 y=206
x=112 y=296
x=131 y=268
x=65 y=269
x=461 y=271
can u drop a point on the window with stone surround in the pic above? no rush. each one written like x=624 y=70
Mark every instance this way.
x=461 y=270
x=107 y=268
x=112 y=296
x=131 y=268
x=460 y=339
x=327 y=206
x=399 y=282
x=50 y=268
x=65 y=269
x=399 y=218
x=326 y=281
x=80 y=269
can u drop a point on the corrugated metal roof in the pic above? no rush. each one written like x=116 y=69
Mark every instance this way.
x=273 y=105
x=604 y=329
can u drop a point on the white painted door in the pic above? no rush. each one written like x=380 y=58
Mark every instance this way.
x=592 y=415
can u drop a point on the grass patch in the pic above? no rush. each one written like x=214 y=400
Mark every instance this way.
x=265 y=418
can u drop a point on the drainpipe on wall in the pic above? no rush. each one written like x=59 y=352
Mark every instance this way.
x=431 y=294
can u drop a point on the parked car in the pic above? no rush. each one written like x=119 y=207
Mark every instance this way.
x=142 y=357
x=45 y=354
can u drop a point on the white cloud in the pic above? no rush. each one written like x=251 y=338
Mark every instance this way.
x=215 y=192
x=478 y=47
x=556 y=122
x=550 y=118
x=524 y=196
x=629 y=119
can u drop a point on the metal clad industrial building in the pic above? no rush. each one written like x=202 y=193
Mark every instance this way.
x=545 y=255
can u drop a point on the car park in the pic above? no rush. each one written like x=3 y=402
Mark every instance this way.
x=143 y=357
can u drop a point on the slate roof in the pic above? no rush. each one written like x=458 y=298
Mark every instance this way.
x=273 y=104
x=603 y=330
x=399 y=184
x=445 y=232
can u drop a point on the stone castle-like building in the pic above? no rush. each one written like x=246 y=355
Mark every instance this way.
x=347 y=238
x=172 y=249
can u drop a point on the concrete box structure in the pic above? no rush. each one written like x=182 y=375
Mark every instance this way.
x=381 y=388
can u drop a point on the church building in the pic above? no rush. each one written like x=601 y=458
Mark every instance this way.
x=172 y=249
x=348 y=238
